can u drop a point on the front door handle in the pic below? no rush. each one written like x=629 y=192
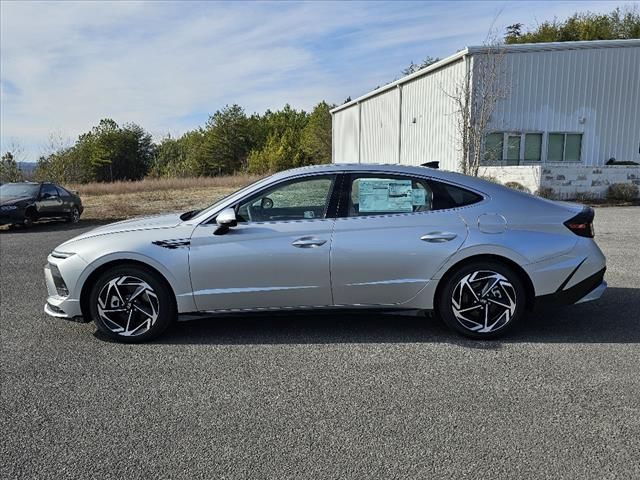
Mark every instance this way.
x=308 y=242
x=438 y=237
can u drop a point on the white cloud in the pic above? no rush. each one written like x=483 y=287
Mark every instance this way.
x=167 y=65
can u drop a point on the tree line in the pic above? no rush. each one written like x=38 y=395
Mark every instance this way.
x=230 y=142
x=620 y=23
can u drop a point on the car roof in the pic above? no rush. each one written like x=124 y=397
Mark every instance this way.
x=388 y=168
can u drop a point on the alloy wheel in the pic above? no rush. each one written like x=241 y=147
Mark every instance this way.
x=75 y=215
x=483 y=301
x=128 y=306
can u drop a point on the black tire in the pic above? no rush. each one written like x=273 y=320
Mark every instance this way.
x=74 y=215
x=109 y=302
x=470 y=305
x=30 y=217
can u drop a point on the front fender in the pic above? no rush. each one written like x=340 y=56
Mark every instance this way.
x=176 y=273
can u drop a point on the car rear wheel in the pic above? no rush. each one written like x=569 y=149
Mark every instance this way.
x=482 y=300
x=131 y=304
x=74 y=215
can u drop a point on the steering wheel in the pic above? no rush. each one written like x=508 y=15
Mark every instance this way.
x=266 y=203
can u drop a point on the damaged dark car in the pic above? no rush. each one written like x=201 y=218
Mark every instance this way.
x=27 y=202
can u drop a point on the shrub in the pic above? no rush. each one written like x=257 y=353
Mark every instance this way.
x=625 y=192
x=546 y=192
x=490 y=178
x=517 y=186
x=587 y=197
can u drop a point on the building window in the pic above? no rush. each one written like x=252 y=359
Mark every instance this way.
x=493 y=144
x=512 y=155
x=564 y=147
x=533 y=147
x=512 y=148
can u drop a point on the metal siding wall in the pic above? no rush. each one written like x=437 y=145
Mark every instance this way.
x=549 y=91
x=379 y=128
x=346 y=135
x=433 y=136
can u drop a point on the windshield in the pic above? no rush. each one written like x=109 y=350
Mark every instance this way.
x=193 y=213
x=14 y=190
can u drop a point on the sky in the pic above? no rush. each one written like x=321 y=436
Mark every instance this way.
x=168 y=65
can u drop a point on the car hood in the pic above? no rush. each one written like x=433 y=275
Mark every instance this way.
x=14 y=200
x=143 y=223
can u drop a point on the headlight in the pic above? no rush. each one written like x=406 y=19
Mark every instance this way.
x=7 y=208
x=62 y=255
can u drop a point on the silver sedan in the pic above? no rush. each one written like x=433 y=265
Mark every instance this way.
x=384 y=237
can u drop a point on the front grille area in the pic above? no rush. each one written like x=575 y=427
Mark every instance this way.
x=61 y=287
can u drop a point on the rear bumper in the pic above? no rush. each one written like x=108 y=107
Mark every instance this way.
x=591 y=288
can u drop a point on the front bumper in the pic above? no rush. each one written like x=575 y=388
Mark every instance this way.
x=60 y=306
x=11 y=217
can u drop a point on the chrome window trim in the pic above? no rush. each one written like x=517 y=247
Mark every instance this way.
x=337 y=173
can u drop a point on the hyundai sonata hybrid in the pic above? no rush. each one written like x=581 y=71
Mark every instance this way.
x=379 y=237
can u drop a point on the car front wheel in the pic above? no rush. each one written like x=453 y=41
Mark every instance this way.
x=131 y=304
x=482 y=300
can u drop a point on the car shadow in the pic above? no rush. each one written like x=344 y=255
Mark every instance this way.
x=614 y=318
x=52 y=226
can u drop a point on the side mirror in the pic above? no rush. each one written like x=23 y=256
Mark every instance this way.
x=225 y=220
x=44 y=196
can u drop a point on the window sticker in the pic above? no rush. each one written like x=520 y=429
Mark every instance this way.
x=385 y=195
x=418 y=197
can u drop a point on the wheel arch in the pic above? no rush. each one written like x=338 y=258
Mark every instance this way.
x=93 y=276
x=522 y=274
x=32 y=208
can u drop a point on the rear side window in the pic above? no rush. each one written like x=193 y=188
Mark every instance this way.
x=373 y=194
x=450 y=196
x=63 y=192
x=48 y=189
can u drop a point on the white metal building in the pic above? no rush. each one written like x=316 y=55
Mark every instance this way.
x=567 y=103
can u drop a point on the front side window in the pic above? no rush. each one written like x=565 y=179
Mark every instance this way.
x=383 y=195
x=564 y=147
x=303 y=199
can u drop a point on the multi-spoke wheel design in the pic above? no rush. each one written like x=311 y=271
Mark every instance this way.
x=131 y=303
x=483 y=301
x=128 y=306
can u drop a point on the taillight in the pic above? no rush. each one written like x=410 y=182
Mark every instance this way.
x=582 y=224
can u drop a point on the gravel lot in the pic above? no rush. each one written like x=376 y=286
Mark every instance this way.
x=323 y=397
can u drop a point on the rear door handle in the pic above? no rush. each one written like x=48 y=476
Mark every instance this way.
x=308 y=242
x=438 y=237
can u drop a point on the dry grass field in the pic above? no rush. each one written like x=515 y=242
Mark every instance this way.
x=122 y=200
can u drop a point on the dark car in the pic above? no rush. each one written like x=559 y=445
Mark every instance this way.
x=27 y=202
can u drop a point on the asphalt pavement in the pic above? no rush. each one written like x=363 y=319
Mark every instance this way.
x=311 y=396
